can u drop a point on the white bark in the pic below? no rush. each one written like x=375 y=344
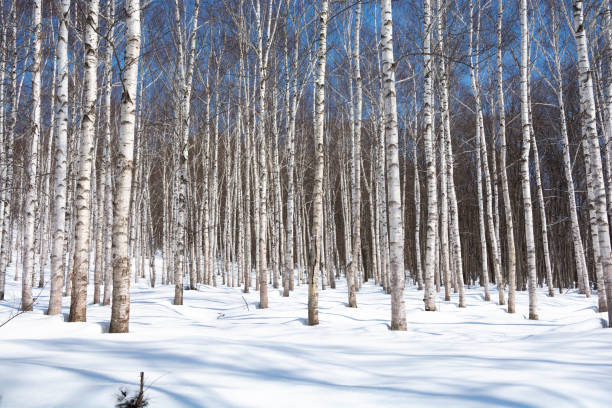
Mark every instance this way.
x=542 y=208
x=61 y=147
x=483 y=168
x=106 y=159
x=525 y=182
x=394 y=194
x=186 y=81
x=445 y=136
x=510 y=249
x=432 y=192
x=120 y=313
x=608 y=103
x=290 y=263
x=7 y=227
x=317 y=218
x=417 y=192
x=589 y=130
x=3 y=163
x=593 y=227
x=31 y=200
x=78 y=308
x=353 y=269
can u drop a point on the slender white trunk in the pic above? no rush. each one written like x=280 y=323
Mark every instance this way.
x=525 y=182
x=46 y=188
x=353 y=270
x=483 y=168
x=510 y=246
x=589 y=131
x=542 y=208
x=417 y=191
x=432 y=192
x=106 y=159
x=120 y=313
x=445 y=138
x=3 y=162
x=317 y=217
x=593 y=227
x=579 y=255
x=31 y=200
x=394 y=193
x=7 y=226
x=78 y=304
x=608 y=103
x=290 y=263
x=61 y=146
x=581 y=267
x=186 y=80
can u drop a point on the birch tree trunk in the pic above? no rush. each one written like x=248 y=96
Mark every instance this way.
x=46 y=184
x=432 y=193
x=106 y=158
x=276 y=200
x=542 y=207
x=394 y=193
x=593 y=227
x=589 y=132
x=186 y=79
x=510 y=246
x=454 y=216
x=579 y=255
x=290 y=263
x=7 y=226
x=31 y=200
x=381 y=192
x=608 y=103
x=3 y=162
x=100 y=243
x=317 y=217
x=61 y=146
x=120 y=313
x=444 y=116
x=483 y=168
x=417 y=193
x=78 y=303
x=262 y=191
x=581 y=266
x=525 y=182
x=353 y=270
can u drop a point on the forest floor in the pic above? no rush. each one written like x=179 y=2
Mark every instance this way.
x=214 y=352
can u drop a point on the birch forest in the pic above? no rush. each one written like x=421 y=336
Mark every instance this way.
x=214 y=178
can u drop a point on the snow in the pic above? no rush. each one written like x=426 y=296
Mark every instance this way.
x=213 y=352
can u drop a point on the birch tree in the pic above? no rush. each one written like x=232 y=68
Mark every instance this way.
x=353 y=270
x=510 y=249
x=432 y=192
x=319 y=120
x=78 y=304
x=60 y=182
x=589 y=133
x=186 y=81
x=3 y=164
x=289 y=257
x=263 y=52
x=7 y=193
x=444 y=116
x=120 y=313
x=394 y=201
x=525 y=179
x=32 y=165
x=106 y=158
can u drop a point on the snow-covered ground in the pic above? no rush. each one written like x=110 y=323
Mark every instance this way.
x=213 y=352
